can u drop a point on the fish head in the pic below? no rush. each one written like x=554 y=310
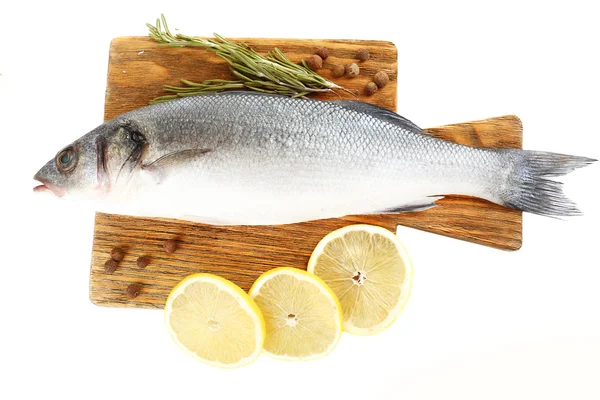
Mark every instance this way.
x=91 y=167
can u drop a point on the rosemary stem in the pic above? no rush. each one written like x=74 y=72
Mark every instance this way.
x=273 y=73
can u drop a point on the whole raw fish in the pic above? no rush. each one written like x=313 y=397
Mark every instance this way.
x=251 y=159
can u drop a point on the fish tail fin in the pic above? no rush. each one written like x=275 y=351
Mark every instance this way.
x=531 y=191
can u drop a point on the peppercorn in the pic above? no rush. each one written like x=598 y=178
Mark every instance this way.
x=110 y=266
x=117 y=254
x=370 y=88
x=133 y=290
x=314 y=62
x=381 y=79
x=170 y=246
x=362 y=54
x=338 y=70
x=322 y=52
x=143 y=261
x=352 y=70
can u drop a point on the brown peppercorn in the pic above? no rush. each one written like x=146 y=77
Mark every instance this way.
x=363 y=54
x=322 y=52
x=314 y=62
x=338 y=70
x=143 y=261
x=117 y=254
x=381 y=79
x=370 y=88
x=352 y=70
x=170 y=246
x=110 y=266
x=133 y=290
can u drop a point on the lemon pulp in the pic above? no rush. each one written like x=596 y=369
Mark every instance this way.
x=369 y=270
x=302 y=315
x=215 y=321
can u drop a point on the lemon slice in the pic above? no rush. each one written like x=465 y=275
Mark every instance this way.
x=215 y=321
x=302 y=315
x=368 y=269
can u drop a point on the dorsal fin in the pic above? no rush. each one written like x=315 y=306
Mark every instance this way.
x=379 y=112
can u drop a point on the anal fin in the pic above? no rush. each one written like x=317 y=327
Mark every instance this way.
x=417 y=205
x=205 y=220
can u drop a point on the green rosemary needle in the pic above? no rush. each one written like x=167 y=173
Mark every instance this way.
x=273 y=73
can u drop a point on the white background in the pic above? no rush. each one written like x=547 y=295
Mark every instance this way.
x=481 y=323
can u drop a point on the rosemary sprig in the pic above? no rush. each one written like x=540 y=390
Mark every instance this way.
x=273 y=73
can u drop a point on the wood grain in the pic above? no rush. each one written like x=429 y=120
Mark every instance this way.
x=137 y=71
x=138 y=68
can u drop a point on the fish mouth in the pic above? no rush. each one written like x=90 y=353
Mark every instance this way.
x=48 y=187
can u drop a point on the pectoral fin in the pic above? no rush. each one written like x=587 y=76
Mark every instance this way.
x=418 y=205
x=159 y=169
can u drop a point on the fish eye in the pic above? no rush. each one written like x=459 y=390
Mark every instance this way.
x=66 y=159
x=137 y=137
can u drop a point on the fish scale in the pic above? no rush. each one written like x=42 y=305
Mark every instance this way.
x=251 y=159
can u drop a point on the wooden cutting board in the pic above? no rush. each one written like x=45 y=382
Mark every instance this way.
x=137 y=71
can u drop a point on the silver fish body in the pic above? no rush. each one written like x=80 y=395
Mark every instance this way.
x=252 y=159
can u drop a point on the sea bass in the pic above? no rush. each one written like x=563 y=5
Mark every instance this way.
x=244 y=158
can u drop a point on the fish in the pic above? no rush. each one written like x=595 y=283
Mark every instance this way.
x=247 y=158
